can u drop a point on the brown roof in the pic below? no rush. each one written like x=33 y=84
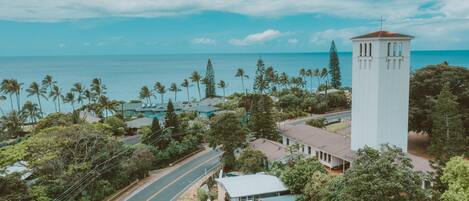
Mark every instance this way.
x=383 y=34
x=332 y=143
x=272 y=150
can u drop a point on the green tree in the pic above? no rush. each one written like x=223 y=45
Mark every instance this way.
x=2 y=98
x=36 y=90
x=382 y=175
x=98 y=88
x=241 y=74
x=30 y=110
x=79 y=90
x=456 y=176
x=57 y=97
x=70 y=98
x=448 y=135
x=47 y=83
x=12 y=123
x=260 y=81
x=334 y=68
x=195 y=77
x=106 y=106
x=284 y=80
x=222 y=85
x=251 y=161
x=262 y=122
x=316 y=188
x=300 y=173
x=210 y=81
x=117 y=125
x=426 y=84
x=161 y=89
x=174 y=88
x=171 y=118
x=145 y=94
x=140 y=163
x=12 y=87
x=226 y=130
x=14 y=188
x=185 y=84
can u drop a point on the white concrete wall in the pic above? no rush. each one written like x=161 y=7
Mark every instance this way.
x=380 y=95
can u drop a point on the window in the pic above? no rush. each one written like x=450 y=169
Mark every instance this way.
x=309 y=150
x=365 y=50
x=389 y=49
x=320 y=155
x=394 y=49
x=288 y=141
x=329 y=158
x=370 y=50
x=361 y=50
x=400 y=49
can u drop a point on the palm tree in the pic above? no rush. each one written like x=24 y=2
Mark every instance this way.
x=324 y=74
x=146 y=94
x=186 y=85
x=195 y=77
x=284 y=80
x=15 y=88
x=174 y=88
x=6 y=88
x=98 y=88
x=56 y=95
x=70 y=98
x=88 y=95
x=38 y=91
x=106 y=105
x=79 y=90
x=30 y=110
x=240 y=73
x=309 y=73
x=222 y=85
x=47 y=84
x=2 y=98
x=317 y=73
x=160 y=88
x=12 y=123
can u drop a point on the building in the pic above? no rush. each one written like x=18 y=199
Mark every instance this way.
x=252 y=187
x=274 y=151
x=380 y=83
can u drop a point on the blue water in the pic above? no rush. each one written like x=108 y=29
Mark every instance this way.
x=125 y=75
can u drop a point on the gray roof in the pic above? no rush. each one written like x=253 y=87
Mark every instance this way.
x=248 y=185
x=332 y=143
x=140 y=122
x=420 y=164
x=272 y=150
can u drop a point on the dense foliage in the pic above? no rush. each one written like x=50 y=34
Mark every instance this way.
x=334 y=68
x=456 y=176
x=300 y=172
x=251 y=161
x=209 y=81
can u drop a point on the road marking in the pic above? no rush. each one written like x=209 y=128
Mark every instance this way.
x=193 y=182
x=190 y=170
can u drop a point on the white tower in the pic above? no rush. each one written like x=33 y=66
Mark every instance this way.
x=380 y=89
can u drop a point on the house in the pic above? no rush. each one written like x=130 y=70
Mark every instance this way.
x=274 y=151
x=252 y=187
x=136 y=124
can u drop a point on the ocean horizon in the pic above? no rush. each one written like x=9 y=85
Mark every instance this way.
x=124 y=75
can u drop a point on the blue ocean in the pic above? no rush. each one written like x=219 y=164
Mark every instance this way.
x=125 y=75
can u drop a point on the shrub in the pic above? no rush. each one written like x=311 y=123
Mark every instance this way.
x=319 y=123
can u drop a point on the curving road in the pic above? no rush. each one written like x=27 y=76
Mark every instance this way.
x=169 y=187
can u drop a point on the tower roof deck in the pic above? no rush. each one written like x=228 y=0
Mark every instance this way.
x=383 y=34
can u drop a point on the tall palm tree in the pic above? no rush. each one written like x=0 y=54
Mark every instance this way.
x=70 y=98
x=38 y=91
x=174 y=88
x=145 y=94
x=47 y=83
x=317 y=73
x=79 y=90
x=98 y=88
x=240 y=73
x=324 y=75
x=284 y=80
x=222 y=85
x=6 y=88
x=57 y=97
x=31 y=111
x=195 y=77
x=2 y=98
x=13 y=122
x=88 y=95
x=309 y=73
x=106 y=105
x=15 y=88
x=161 y=89
x=186 y=85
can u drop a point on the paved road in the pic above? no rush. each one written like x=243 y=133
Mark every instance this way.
x=169 y=187
x=329 y=117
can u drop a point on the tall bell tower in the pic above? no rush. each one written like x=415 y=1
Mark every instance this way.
x=380 y=89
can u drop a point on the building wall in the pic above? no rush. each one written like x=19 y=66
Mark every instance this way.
x=380 y=95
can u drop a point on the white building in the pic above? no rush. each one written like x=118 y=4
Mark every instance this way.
x=380 y=83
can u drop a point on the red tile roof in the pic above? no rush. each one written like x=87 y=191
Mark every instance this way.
x=383 y=34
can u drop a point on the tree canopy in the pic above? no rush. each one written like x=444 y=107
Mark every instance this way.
x=251 y=161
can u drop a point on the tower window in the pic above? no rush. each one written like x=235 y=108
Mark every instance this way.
x=370 y=50
x=394 y=49
x=400 y=49
x=389 y=49
x=365 y=50
x=361 y=49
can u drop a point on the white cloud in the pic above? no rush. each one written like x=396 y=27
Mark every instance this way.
x=204 y=41
x=292 y=41
x=54 y=10
x=260 y=37
x=322 y=40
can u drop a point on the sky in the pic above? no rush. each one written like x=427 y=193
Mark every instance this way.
x=109 y=27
